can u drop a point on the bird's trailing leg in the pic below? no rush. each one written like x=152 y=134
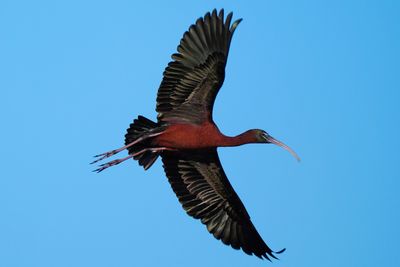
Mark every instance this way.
x=115 y=151
x=118 y=161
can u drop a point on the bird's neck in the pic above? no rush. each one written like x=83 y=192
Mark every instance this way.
x=241 y=139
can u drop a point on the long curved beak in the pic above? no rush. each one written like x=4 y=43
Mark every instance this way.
x=272 y=140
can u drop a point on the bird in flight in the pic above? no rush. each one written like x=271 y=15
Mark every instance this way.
x=186 y=137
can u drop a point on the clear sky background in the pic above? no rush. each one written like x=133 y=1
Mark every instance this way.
x=322 y=76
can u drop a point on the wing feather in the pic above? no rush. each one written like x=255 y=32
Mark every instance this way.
x=205 y=193
x=197 y=71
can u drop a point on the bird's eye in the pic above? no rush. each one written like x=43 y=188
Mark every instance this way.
x=264 y=135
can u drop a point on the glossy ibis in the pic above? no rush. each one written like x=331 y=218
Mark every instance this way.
x=186 y=137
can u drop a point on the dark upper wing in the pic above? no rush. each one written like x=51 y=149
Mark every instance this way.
x=191 y=82
x=204 y=191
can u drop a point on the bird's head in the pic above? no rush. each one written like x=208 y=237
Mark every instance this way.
x=262 y=136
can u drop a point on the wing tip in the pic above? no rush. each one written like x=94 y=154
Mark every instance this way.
x=271 y=253
x=215 y=14
x=280 y=251
x=234 y=25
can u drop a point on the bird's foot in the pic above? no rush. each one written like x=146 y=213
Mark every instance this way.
x=115 y=151
x=104 y=166
x=105 y=155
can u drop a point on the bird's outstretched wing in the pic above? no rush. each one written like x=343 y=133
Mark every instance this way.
x=192 y=80
x=205 y=193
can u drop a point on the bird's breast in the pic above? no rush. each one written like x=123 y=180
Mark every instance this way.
x=189 y=136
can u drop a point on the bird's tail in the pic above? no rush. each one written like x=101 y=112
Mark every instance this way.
x=143 y=127
x=138 y=142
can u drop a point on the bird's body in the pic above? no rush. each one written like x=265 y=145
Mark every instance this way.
x=186 y=137
x=206 y=135
x=189 y=136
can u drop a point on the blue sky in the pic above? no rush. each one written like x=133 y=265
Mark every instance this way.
x=321 y=76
